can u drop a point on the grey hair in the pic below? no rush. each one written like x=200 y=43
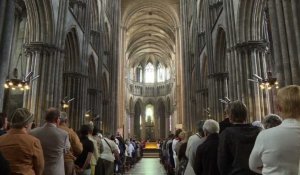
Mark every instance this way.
x=271 y=121
x=63 y=117
x=211 y=126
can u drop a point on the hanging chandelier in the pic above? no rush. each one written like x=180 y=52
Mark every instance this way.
x=19 y=84
x=65 y=103
x=16 y=83
x=266 y=83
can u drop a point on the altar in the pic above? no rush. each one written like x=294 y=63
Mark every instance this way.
x=151 y=145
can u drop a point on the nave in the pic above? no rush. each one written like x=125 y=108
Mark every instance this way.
x=147 y=166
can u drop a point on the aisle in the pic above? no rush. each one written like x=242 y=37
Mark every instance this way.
x=147 y=166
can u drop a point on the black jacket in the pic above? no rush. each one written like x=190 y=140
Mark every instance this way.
x=206 y=156
x=224 y=124
x=235 y=146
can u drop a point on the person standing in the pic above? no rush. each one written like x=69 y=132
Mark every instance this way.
x=55 y=143
x=206 y=155
x=83 y=162
x=277 y=150
x=76 y=146
x=236 y=142
x=22 y=151
x=192 y=145
x=105 y=166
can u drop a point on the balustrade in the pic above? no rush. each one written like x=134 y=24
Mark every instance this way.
x=149 y=89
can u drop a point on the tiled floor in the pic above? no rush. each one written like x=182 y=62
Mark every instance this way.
x=147 y=166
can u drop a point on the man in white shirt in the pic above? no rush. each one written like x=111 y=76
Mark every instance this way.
x=277 y=150
x=174 y=142
x=192 y=145
x=107 y=157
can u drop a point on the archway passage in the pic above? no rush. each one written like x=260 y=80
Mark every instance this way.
x=137 y=120
x=161 y=112
x=71 y=79
x=151 y=60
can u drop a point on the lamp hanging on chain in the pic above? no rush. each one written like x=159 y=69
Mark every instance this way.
x=19 y=84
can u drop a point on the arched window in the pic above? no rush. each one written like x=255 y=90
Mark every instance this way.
x=139 y=74
x=149 y=73
x=168 y=75
x=161 y=73
x=149 y=113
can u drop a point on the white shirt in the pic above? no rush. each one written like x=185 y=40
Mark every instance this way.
x=107 y=151
x=130 y=150
x=191 y=149
x=277 y=150
x=174 y=143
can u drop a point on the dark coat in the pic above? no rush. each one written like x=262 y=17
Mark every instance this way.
x=206 y=156
x=235 y=146
x=224 y=124
x=4 y=166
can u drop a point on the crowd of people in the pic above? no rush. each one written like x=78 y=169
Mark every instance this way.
x=231 y=147
x=235 y=147
x=56 y=149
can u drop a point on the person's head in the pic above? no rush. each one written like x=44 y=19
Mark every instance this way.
x=21 y=118
x=182 y=135
x=63 y=118
x=226 y=110
x=96 y=131
x=288 y=101
x=171 y=136
x=210 y=127
x=271 y=121
x=258 y=124
x=200 y=127
x=237 y=112
x=85 y=130
x=52 y=116
x=3 y=121
x=177 y=132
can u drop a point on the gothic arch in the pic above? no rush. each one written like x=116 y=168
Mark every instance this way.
x=138 y=109
x=92 y=83
x=161 y=118
x=250 y=20
x=95 y=20
x=70 y=80
x=131 y=107
x=220 y=52
x=40 y=19
x=72 y=52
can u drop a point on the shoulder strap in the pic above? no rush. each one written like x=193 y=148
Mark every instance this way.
x=198 y=135
x=108 y=144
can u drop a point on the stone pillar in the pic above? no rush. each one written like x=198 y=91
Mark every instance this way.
x=44 y=60
x=7 y=11
x=131 y=125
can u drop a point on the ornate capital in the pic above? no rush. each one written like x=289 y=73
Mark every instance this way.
x=94 y=91
x=41 y=47
x=75 y=75
x=218 y=75
x=261 y=45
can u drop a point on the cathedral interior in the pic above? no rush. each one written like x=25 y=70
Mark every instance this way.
x=146 y=67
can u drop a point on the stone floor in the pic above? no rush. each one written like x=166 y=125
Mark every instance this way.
x=147 y=166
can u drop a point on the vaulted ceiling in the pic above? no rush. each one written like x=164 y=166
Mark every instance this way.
x=150 y=31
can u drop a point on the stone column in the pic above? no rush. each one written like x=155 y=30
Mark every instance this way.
x=43 y=60
x=7 y=11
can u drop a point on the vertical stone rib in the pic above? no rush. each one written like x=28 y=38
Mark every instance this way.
x=283 y=43
x=291 y=42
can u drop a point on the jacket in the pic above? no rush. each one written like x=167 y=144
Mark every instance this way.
x=76 y=146
x=235 y=146
x=23 y=152
x=55 y=143
x=206 y=156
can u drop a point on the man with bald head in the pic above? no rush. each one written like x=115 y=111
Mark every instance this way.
x=54 y=141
